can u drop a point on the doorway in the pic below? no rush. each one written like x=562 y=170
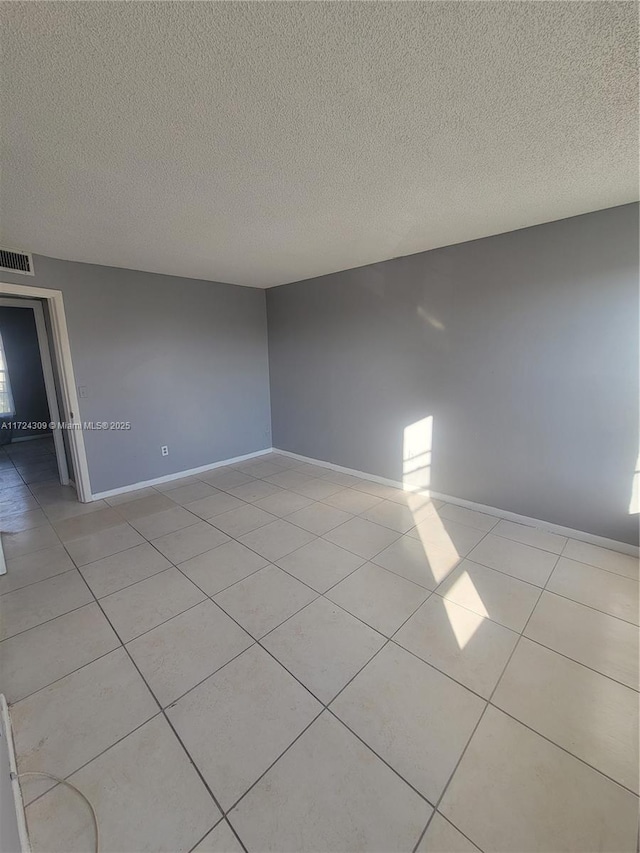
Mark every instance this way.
x=64 y=442
x=31 y=434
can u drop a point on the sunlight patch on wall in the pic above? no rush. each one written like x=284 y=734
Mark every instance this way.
x=416 y=454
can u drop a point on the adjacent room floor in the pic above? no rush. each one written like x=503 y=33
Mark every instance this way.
x=275 y=656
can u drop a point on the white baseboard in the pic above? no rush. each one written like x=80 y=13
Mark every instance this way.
x=547 y=526
x=133 y=487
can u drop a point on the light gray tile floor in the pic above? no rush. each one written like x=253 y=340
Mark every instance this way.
x=276 y=657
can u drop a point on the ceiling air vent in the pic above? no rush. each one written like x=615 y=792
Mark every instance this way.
x=12 y=260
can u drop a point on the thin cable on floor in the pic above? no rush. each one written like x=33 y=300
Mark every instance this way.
x=73 y=788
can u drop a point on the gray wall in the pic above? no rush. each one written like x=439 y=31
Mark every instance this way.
x=522 y=347
x=184 y=360
x=20 y=338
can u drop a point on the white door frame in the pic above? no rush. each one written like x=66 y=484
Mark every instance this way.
x=49 y=382
x=62 y=350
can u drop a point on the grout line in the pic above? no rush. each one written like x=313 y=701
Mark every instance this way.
x=71 y=773
x=71 y=672
x=162 y=711
x=45 y=621
x=33 y=583
x=326 y=706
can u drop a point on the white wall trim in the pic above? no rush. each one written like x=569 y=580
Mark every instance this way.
x=591 y=538
x=62 y=349
x=49 y=382
x=178 y=475
x=13 y=814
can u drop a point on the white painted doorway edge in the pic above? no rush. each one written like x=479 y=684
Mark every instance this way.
x=49 y=382
x=62 y=350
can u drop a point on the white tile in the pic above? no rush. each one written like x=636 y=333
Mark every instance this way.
x=185 y=495
x=253 y=491
x=520 y=561
x=103 y=544
x=378 y=597
x=148 y=603
x=170 y=485
x=31 y=661
x=124 y=568
x=185 y=650
x=416 y=719
x=606 y=644
x=183 y=544
x=220 y=840
x=221 y=567
x=442 y=837
x=513 y=785
x=323 y=647
x=310 y=469
x=84 y=525
x=444 y=534
x=342 y=479
x=48 y=493
x=214 y=504
x=602 y=590
x=237 y=522
x=603 y=558
x=166 y=521
x=226 y=478
x=419 y=562
x=62 y=727
x=146 y=793
x=489 y=593
x=255 y=708
x=17 y=522
x=317 y=489
x=288 y=479
x=35 y=566
x=320 y=564
x=264 y=600
x=28 y=541
x=30 y=606
x=380 y=490
x=276 y=539
x=145 y=505
x=14 y=501
x=60 y=509
x=351 y=500
x=282 y=460
x=591 y=716
x=362 y=537
x=261 y=468
x=330 y=793
x=392 y=515
x=283 y=503
x=480 y=520
x=127 y=497
x=318 y=518
x=9 y=477
x=470 y=648
x=530 y=536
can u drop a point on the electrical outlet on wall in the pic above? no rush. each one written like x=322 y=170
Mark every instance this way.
x=164 y=450
x=82 y=391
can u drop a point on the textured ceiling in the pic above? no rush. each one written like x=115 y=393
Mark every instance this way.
x=263 y=143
